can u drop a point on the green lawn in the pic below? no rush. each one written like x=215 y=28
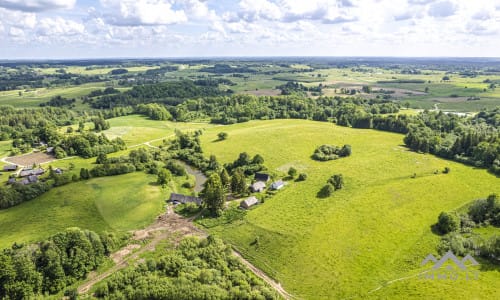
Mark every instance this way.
x=375 y=230
x=118 y=203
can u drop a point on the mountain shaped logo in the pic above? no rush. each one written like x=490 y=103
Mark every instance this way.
x=449 y=256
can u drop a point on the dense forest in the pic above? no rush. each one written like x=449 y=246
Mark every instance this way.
x=48 y=267
x=196 y=269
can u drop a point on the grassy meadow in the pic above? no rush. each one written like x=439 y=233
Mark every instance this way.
x=136 y=129
x=375 y=230
x=117 y=203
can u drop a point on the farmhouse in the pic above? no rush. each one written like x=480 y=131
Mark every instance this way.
x=248 y=202
x=277 y=185
x=258 y=187
x=10 y=168
x=183 y=199
x=262 y=177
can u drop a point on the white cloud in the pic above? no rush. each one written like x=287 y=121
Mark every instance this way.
x=141 y=12
x=58 y=27
x=16 y=32
x=442 y=9
x=37 y=5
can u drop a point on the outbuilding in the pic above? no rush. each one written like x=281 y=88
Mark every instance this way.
x=258 y=187
x=277 y=185
x=183 y=199
x=249 y=202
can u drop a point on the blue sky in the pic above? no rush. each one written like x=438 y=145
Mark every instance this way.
x=180 y=28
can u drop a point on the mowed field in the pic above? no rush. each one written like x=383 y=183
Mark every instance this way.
x=355 y=243
x=117 y=203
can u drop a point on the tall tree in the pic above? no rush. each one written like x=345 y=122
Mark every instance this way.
x=225 y=179
x=238 y=183
x=213 y=194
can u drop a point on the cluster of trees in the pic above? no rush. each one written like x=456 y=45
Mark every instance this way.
x=292 y=87
x=59 y=101
x=336 y=182
x=18 y=123
x=473 y=141
x=196 y=269
x=48 y=267
x=86 y=145
x=249 y=165
x=154 y=111
x=329 y=152
x=457 y=229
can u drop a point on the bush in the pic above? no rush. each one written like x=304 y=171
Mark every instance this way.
x=302 y=177
x=326 y=191
x=447 y=223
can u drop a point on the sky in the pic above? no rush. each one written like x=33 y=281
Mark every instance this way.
x=56 y=29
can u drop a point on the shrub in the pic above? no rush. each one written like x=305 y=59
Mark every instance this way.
x=302 y=177
x=447 y=223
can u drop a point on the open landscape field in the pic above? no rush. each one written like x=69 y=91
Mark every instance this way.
x=96 y=204
x=374 y=231
x=365 y=241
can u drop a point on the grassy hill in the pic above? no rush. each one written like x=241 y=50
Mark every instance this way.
x=356 y=242
x=117 y=203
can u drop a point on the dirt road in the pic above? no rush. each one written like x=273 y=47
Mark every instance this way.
x=169 y=226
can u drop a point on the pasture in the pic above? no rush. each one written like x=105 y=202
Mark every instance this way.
x=136 y=129
x=355 y=243
x=117 y=203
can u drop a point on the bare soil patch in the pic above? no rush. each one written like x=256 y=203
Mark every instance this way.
x=30 y=159
x=263 y=92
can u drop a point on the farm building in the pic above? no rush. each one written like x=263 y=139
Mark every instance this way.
x=29 y=172
x=248 y=202
x=258 y=187
x=277 y=185
x=10 y=168
x=183 y=199
x=58 y=171
x=262 y=177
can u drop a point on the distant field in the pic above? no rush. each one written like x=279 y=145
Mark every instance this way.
x=32 y=98
x=375 y=230
x=97 y=204
x=137 y=129
x=94 y=70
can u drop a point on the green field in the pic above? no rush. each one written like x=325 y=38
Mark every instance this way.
x=375 y=230
x=135 y=129
x=117 y=203
x=33 y=97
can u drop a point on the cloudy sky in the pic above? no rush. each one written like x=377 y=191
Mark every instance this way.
x=180 y=28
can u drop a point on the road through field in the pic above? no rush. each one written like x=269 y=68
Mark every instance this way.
x=168 y=226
